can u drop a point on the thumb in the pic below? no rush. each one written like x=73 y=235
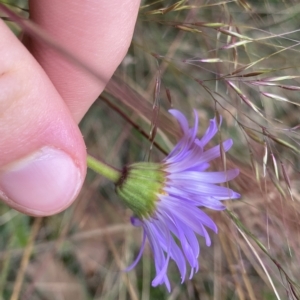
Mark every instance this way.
x=42 y=153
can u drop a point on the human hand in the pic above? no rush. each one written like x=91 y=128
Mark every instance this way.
x=43 y=96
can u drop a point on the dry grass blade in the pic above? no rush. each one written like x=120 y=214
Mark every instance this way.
x=283 y=143
x=251 y=74
x=276 y=183
x=165 y=10
x=136 y=102
x=280 y=78
x=235 y=44
x=25 y=259
x=244 y=98
x=235 y=34
x=279 y=98
x=252 y=134
x=188 y=29
x=155 y=109
x=244 y=231
x=127 y=282
x=261 y=263
x=135 y=125
x=286 y=178
x=275 y=166
x=230 y=261
x=245 y=5
x=209 y=25
x=265 y=158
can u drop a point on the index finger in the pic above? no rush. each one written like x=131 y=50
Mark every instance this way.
x=97 y=31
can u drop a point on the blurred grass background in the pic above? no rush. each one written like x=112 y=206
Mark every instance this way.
x=238 y=59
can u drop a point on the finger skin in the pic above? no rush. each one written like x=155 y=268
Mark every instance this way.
x=32 y=114
x=40 y=141
x=97 y=31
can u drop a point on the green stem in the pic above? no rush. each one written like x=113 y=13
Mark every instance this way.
x=103 y=169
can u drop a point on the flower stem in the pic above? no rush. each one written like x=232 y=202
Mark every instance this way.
x=103 y=169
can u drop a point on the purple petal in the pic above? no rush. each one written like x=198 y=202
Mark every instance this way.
x=129 y=268
x=209 y=177
x=136 y=221
x=205 y=189
x=195 y=199
x=181 y=120
x=209 y=134
x=215 y=151
x=162 y=268
x=189 y=215
x=189 y=243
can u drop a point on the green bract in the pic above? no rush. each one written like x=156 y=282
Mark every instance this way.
x=140 y=185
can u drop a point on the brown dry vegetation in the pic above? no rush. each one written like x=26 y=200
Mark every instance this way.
x=238 y=59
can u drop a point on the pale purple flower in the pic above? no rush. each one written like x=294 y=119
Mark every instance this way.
x=171 y=229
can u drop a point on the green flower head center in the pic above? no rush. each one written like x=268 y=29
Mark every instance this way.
x=139 y=187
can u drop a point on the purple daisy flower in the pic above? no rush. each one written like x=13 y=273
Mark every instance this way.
x=166 y=197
